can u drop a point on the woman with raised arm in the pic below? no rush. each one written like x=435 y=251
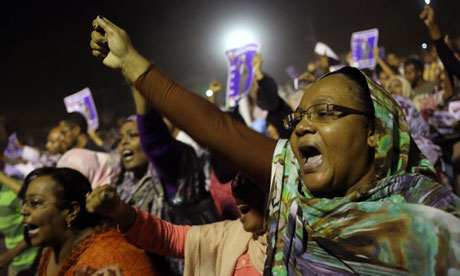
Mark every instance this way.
x=348 y=193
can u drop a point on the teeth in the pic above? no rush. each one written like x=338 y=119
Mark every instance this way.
x=127 y=154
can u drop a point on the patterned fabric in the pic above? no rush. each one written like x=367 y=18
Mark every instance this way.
x=147 y=194
x=419 y=130
x=402 y=223
x=105 y=250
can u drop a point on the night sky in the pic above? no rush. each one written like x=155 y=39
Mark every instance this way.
x=45 y=52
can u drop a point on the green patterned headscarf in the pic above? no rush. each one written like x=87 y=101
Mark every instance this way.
x=402 y=223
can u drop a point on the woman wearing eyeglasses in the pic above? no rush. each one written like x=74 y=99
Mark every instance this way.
x=75 y=241
x=348 y=193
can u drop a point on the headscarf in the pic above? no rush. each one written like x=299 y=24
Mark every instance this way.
x=386 y=228
x=93 y=165
x=405 y=85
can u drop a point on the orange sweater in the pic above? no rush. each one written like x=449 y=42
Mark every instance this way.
x=101 y=250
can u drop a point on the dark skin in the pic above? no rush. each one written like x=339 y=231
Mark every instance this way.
x=41 y=209
x=336 y=175
x=131 y=153
x=414 y=76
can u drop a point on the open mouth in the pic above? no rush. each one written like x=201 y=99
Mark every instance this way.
x=31 y=229
x=312 y=158
x=128 y=155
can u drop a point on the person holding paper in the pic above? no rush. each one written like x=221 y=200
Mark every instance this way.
x=267 y=98
x=348 y=193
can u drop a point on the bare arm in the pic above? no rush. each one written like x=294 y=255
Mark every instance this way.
x=7 y=257
x=142 y=106
x=382 y=63
x=11 y=183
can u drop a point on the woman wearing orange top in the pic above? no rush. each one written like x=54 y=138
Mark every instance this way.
x=76 y=242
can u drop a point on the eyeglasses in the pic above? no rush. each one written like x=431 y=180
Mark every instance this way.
x=324 y=112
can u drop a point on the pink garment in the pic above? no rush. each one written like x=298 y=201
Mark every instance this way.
x=93 y=165
x=163 y=238
x=158 y=236
x=222 y=196
x=244 y=266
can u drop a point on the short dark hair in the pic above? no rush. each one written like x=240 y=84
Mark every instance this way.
x=74 y=119
x=72 y=186
x=418 y=65
x=362 y=94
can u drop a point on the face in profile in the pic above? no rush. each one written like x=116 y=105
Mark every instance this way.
x=45 y=221
x=69 y=133
x=333 y=155
x=131 y=153
x=251 y=210
x=395 y=87
x=55 y=143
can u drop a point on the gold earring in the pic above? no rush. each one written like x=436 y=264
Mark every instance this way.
x=69 y=224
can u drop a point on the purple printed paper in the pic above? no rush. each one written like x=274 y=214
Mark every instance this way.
x=240 y=72
x=362 y=46
x=83 y=103
x=12 y=150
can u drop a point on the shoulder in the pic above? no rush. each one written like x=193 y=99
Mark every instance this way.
x=111 y=248
x=420 y=189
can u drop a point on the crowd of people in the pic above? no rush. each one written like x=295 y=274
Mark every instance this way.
x=352 y=172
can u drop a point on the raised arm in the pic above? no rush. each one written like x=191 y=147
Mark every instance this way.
x=382 y=63
x=9 y=182
x=446 y=54
x=163 y=151
x=243 y=148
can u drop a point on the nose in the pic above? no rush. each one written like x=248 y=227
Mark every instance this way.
x=305 y=126
x=24 y=210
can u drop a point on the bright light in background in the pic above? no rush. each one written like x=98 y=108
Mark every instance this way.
x=427 y=2
x=238 y=38
x=209 y=93
x=424 y=46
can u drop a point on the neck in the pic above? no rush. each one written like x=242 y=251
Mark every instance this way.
x=140 y=172
x=64 y=247
x=364 y=184
x=82 y=140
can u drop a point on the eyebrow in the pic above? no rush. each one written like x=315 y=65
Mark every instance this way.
x=31 y=195
x=323 y=100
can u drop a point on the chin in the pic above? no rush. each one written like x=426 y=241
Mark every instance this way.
x=316 y=182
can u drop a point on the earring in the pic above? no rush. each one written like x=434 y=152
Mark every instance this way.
x=69 y=224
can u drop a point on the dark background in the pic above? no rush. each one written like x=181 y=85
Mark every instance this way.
x=45 y=53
